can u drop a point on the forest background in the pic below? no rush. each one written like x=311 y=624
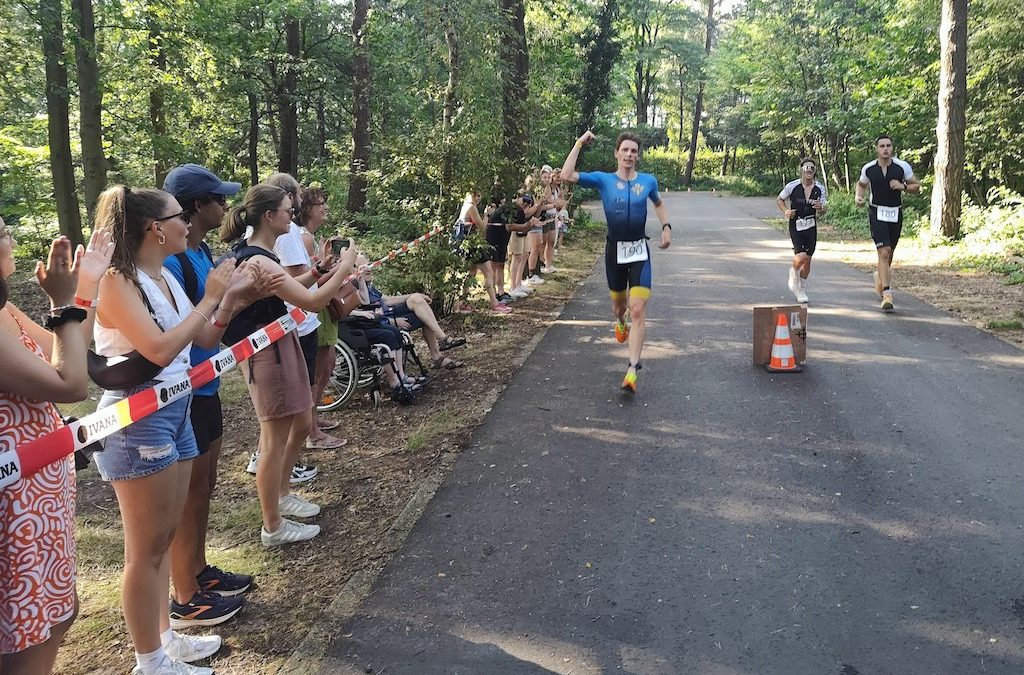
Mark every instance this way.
x=398 y=107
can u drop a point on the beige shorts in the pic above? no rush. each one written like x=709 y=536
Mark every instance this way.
x=518 y=245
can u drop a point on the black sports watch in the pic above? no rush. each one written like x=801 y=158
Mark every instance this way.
x=668 y=225
x=59 y=316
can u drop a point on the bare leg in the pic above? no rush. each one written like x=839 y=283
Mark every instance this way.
x=298 y=430
x=884 y=261
x=498 y=273
x=150 y=509
x=421 y=308
x=188 y=548
x=321 y=376
x=638 y=328
x=536 y=248
x=273 y=455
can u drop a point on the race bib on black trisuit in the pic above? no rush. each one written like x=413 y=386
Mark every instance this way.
x=805 y=223
x=631 y=251
x=888 y=214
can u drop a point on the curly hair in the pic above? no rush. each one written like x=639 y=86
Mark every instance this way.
x=311 y=196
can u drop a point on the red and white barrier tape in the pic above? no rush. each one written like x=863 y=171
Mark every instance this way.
x=33 y=456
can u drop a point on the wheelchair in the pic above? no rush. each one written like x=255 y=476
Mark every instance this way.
x=359 y=366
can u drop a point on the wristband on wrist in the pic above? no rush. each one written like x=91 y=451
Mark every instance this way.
x=664 y=225
x=84 y=303
x=315 y=272
x=215 y=322
x=59 y=316
x=196 y=311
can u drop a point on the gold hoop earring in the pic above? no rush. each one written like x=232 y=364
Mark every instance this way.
x=161 y=238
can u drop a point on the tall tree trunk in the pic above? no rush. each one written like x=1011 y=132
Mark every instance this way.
x=682 y=106
x=725 y=161
x=90 y=130
x=514 y=86
x=157 y=111
x=361 y=139
x=254 y=138
x=321 y=127
x=735 y=150
x=288 y=154
x=949 y=155
x=69 y=217
x=709 y=28
x=452 y=41
x=601 y=57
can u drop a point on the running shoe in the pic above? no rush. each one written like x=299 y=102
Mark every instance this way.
x=887 y=303
x=189 y=648
x=226 y=584
x=171 y=667
x=295 y=506
x=547 y=270
x=621 y=331
x=794 y=280
x=504 y=297
x=629 y=381
x=289 y=532
x=878 y=284
x=801 y=291
x=204 y=609
x=302 y=473
x=501 y=308
x=535 y=280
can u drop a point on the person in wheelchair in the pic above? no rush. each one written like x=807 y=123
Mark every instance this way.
x=366 y=320
x=409 y=312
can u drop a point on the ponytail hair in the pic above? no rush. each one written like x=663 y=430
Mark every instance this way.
x=126 y=213
x=258 y=200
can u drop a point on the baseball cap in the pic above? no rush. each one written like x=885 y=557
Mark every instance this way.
x=192 y=180
x=527 y=198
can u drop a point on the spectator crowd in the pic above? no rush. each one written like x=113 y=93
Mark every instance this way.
x=146 y=299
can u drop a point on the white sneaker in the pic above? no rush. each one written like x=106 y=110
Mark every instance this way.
x=302 y=473
x=535 y=280
x=794 y=282
x=254 y=459
x=189 y=648
x=547 y=270
x=171 y=667
x=297 y=507
x=801 y=291
x=290 y=532
x=518 y=293
x=552 y=270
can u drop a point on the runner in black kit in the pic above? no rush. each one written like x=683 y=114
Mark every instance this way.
x=807 y=199
x=624 y=195
x=888 y=178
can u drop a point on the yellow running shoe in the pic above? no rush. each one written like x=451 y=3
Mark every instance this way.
x=621 y=331
x=887 y=303
x=629 y=381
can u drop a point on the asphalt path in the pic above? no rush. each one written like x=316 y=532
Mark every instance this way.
x=863 y=516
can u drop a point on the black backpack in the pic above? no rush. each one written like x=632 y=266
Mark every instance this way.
x=258 y=314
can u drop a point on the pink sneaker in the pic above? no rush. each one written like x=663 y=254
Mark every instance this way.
x=465 y=308
x=501 y=308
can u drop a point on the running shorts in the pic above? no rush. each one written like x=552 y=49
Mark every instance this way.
x=628 y=276
x=498 y=237
x=803 y=242
x=882 y=233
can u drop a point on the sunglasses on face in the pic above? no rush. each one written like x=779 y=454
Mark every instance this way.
x=179 y=214
x=220 y=199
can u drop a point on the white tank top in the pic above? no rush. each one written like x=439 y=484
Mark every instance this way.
x=110 y=341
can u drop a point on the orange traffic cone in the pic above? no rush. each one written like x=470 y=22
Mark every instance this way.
x=783 y=360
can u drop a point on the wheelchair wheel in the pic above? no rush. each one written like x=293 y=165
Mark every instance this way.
x=344 y=379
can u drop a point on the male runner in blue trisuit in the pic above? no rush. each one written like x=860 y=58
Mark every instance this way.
x=624 y=195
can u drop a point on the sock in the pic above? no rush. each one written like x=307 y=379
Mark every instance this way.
x=150 y=661
x=166 y=637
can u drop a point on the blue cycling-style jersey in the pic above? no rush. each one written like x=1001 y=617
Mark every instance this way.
x=624 y=201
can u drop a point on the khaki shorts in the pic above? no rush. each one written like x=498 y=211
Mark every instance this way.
x=518 y=245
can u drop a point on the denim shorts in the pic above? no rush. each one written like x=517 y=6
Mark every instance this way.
x=152 y=444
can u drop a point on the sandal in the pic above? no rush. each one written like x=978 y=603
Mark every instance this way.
x=446 y=363
x=327 y=425
x=450 y=343
x=328 y=442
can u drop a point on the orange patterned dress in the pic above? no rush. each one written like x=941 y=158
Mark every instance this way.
x=37 y=529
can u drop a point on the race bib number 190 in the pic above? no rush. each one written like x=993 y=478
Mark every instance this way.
x=631 y=251
x=889 y=214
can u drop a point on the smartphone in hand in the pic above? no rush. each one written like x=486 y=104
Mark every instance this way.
x=339 y=245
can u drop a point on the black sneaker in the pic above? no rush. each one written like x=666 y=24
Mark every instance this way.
x=215 y=580
x=204 y=609
x=402 y=395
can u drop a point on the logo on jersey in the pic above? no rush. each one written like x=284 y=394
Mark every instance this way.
x=638 y=189
x=621 y=185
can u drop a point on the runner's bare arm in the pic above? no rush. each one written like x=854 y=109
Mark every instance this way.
x=666 y=232
x=569 y=172
x=913 y=185
x=861 y=189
